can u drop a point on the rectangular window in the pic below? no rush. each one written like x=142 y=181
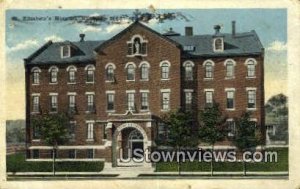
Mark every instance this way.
x=208 y=71
x=90 y=131
x=53 y=103
x=90 y=103
x=188 y=100
x=165 y=100
x=208 y=98
x=231 y=128
x=162 y=131
x=36 y=77
x=36 y=132
x=130 y=101
x=35 y=154
x=251 y=98
x=230 y=100
x=72 y=76
x=65 y=51
x=72 y=154
x=165 y=71
x=72 y=103
x=104 y=132
x=71 y=129
x=229 y=70
x=110 y=102
x=90 y=153
x=35 y=104
x=90 y=76
x=144 y=101
x=250 y=70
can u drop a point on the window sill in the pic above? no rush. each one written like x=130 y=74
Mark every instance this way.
x=90 y=112
x=250 y=77
x=89 y=140
x=145 y=110
x=229 y=78
x=167 y=79
x=129 y=80
x=36 y=140
x=251 y=109
x=144 y=79
x=110 y=111
x=230 y=109
x=134 y=55
x=71 y=83
x=90 y=82
x=107 y=81
x=208 y=79
x=53 y=83
x=35 y=84
x=163 y=110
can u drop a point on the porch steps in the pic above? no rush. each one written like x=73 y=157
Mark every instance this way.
x=128 y=171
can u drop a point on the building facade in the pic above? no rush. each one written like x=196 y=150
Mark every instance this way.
x=116 y=91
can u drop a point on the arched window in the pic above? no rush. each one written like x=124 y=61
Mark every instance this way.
x=53 y=74
x=130 y=69
x=218 y=44
x=209 y=69
x=229 y=64
x=110 y=73
x=137 y=46
x=72 y=74
x=144 y=71
x=188 y=67
x=251 y=63
x=165 y=70
x=36 y=75
x=90 y=69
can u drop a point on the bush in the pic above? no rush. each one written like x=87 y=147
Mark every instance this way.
x=17 y=163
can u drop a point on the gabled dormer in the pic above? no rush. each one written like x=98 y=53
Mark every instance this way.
x=65 y=51
x=218 y=40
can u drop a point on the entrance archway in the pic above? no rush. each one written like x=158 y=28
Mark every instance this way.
x=127 y=135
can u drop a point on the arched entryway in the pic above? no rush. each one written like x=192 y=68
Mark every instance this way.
x=127 y=138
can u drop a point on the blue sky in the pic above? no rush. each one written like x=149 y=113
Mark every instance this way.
x=24 y=37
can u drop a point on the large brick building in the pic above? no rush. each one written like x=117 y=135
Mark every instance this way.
x=117 y=90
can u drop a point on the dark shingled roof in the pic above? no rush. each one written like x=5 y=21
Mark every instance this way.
x=81 y=52
x=238 y=45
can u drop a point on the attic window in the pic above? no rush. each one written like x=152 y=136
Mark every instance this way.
x=189 y=48
x=65 y=51
x=218 y=44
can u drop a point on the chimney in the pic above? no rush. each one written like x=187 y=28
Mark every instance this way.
x=81 y=37
x=217 y=29
x=189 y=31
x=233 y=28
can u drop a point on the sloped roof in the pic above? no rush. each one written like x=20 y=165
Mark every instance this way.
x=240 y=44
x=81 y=52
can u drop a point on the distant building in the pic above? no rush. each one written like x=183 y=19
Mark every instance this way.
x=116 y=91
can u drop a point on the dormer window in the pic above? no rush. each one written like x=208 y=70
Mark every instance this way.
x=65 y=51
x=137 y=46
x=218 y=44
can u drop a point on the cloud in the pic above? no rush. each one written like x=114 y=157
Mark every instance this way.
x=91 y=29
x=28 y=44
x=277 y=46
x=116 y=27
x=94 y=15
x=54 y=38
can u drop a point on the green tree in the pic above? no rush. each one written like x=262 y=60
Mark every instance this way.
x=246 y=138
x=212 y=127
x=54 y=131
x=180 y=127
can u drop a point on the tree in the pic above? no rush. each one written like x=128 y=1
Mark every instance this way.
x=245 y=137
x=212 y=127
x=180 y=127
x=53 y=131
x=277 y=113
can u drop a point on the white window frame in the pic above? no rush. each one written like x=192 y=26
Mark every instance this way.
x=147 y=99
x=36 y=73
x=247 y=63
x=251 y=89
x=62 y=51
x=90 y=68
x=229 y=62
x=131 y=42
x=187 y=64
x=207 y=91
x=205 y=69
x=107 y=100
x=230 y=134
x=52 y=97
x=130 y=97
x=222 y=44
x=227 y=90
x=90 y=130
x=161 y=65
x=141 y=66
x=134 y=69
x=52 y=70
x=34 y=96
x=90 y=94
x=71 y=69
x=107 y=67
x=188 y=101
x=168 y=104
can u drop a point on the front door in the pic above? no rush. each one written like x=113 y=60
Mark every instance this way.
x=139 y=147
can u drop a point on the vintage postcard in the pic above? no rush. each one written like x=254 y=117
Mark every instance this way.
x=150 y=95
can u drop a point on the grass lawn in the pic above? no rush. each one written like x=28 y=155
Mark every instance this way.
x=17 y=163
x=280 y=165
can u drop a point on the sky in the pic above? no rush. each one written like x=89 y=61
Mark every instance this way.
x=27 y=30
